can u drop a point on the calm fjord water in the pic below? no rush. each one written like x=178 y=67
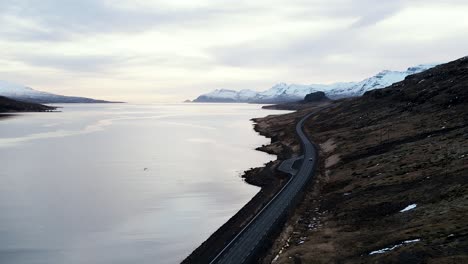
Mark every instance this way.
x=119 y=183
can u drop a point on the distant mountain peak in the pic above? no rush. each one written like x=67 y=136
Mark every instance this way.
x=13 y=88
x=27 y=94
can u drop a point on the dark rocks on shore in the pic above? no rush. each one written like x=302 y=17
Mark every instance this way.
x=315 y=97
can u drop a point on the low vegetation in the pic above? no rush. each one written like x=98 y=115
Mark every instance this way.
x=393 y=183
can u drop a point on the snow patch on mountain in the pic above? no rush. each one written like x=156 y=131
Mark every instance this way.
x=380 y=80
x=283 y=92
x=27 y=94
x=12 y=89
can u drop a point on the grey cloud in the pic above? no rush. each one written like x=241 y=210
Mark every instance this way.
x=308 y=58
x=72 y=63
x=59 y=20
x=292 y=52
x=367 y=12
x=304 y=49
x=103 y=63
x=290 y=58
x=371 y=14
x=297 y=50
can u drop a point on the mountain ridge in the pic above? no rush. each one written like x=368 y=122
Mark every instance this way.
x=283 y=92
x=28 y=94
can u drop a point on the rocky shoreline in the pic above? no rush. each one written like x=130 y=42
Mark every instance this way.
x=284 y=144
x=280 y=129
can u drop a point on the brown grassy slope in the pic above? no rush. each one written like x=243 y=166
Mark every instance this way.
x=405 y=144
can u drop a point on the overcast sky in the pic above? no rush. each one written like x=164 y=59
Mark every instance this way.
x=154 y=51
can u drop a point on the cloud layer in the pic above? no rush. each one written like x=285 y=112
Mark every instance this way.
x=165 y=50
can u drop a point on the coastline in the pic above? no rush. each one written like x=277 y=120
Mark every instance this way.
x=11 y=106
x=284 y=144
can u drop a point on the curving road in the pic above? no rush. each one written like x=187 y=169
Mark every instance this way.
x=243 y=247
x=287 y=166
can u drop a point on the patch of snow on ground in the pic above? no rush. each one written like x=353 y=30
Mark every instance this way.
x=384 y=250
x=409 y=207
x=275 y=259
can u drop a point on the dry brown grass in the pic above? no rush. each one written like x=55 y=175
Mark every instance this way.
x=377 y=158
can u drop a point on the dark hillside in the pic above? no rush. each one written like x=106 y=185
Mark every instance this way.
x=10 y=105
x=393 y=184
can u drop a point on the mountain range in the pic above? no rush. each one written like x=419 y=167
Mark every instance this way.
x=27 y=94
x=283 y=92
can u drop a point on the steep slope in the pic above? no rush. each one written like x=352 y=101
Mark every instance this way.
x=381 y=80
x=283 y=92
x=27 y=94
x=393 y=183
x=10 y=105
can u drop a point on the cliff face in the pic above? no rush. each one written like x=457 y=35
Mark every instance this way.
x=10 y=105
x=393 y=182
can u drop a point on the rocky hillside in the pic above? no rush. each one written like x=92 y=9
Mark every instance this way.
x=393 y=179
x=10 y=105
x=315 y=97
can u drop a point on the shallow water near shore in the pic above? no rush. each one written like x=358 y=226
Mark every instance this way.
x=121 y=183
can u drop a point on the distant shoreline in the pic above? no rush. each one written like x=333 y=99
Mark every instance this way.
x=8 y=105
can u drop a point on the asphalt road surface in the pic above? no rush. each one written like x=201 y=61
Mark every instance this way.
x=287 y=166
x=241 y=249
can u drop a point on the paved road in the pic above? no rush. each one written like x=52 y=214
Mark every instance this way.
x=243 y=246
x=287 y=166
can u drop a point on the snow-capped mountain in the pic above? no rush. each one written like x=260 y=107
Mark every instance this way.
x=27 y=94
x=220 y=95
x=283 y=92
x=380 y=80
